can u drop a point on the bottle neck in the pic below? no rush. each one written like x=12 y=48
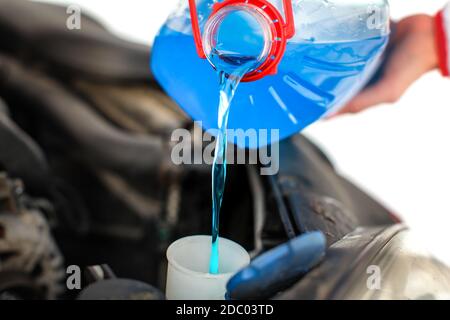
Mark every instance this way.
x=237 y=36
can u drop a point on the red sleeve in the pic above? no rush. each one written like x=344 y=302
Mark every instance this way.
x=443 y=39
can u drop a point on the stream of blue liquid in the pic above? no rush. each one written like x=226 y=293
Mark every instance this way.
x=229 y=78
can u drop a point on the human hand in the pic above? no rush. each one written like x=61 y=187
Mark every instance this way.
x=412 y=52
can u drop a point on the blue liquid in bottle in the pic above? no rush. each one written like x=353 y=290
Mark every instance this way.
x=312 y=79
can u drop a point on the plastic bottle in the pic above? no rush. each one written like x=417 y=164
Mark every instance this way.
x=314 y=55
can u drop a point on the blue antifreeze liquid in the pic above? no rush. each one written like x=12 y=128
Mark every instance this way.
x=312 y=79
x=228 y=83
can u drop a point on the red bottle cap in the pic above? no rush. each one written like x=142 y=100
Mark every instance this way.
x=281 y=31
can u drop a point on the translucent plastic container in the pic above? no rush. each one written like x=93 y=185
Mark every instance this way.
x=331 y=52
x=188 y=276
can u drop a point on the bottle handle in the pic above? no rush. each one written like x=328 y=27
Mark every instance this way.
x=196 y=29
x=288 y=24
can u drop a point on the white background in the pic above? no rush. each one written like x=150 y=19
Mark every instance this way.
x=397 y=153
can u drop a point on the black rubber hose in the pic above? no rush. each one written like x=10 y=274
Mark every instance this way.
x=37 y=32
x=20 y=156
x=93 y=139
